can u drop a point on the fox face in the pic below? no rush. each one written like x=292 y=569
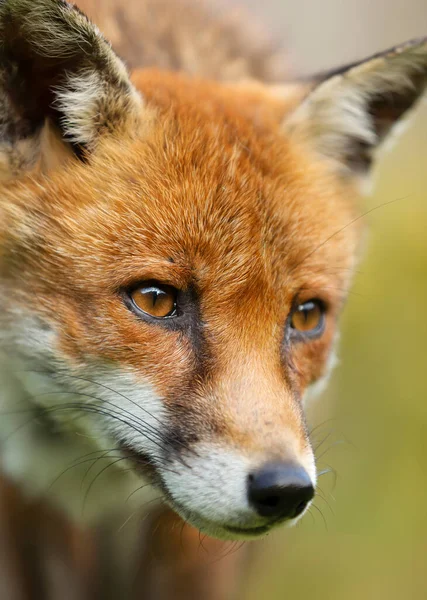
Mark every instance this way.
x=175 y=254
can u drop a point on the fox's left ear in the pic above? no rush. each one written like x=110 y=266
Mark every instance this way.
x=348 y=113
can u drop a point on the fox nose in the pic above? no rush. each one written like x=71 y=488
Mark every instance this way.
x=280 y=490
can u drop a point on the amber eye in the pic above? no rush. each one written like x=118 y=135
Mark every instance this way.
x=309 y=317
x=155 y=299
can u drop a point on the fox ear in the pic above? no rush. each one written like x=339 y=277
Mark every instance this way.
x=56 y=70
x=350 y=112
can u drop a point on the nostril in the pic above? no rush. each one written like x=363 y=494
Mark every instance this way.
x=280 y=490
x=299 y=509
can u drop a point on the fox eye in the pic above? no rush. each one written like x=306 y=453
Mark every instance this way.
x=154 y=299
x=308 y=318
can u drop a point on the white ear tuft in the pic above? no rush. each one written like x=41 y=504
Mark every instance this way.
x=350 y=112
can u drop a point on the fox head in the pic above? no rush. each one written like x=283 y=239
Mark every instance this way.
x=175 y=254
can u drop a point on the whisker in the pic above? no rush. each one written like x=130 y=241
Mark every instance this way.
x=95 y=479
x=91 y=409
x=91 y=467
x=321 y=497
x=324 y=472
x=335 y=289
x=321 y=514
x=109 y=413
x=383 y=204
x=140 y=511
x=73 y=466
x=120 y=394
x=235 y=547
x=181 y=540
x=130 y=517
x=138 y=489
x=311 y=431
x=337 y=443
x=316 y=448
x=118 y=410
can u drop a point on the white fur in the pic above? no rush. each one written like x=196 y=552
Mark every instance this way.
x=212 y=483
x=210 y=487
x=36 y=455
x=78 y=100
x=315 y=390
x=86 y=100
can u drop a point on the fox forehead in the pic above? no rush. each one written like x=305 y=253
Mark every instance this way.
x=203 y=190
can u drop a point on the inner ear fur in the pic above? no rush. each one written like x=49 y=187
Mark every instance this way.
x=350 y=112
x=56 y=68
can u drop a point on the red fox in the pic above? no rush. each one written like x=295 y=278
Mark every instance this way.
x=176 y=247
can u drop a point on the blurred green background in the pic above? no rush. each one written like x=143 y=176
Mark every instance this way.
x=367 y=538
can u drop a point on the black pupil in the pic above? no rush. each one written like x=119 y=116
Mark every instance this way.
x=306 y=309
x=155 y=295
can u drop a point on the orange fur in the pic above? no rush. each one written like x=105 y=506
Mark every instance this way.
x=233 y=230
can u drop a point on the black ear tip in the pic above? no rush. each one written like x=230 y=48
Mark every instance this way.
x=419 y=43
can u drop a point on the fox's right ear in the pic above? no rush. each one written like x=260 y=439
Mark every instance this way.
x=347 y=114
x=56 y=72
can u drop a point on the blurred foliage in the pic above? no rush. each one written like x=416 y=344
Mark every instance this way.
x=367 y=536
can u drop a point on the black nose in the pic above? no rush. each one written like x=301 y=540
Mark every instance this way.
x=280 y=490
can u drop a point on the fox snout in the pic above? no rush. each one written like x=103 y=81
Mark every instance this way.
x=248 y=464
x=227 y=494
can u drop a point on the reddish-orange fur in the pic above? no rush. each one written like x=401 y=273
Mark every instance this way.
x=234 y=230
